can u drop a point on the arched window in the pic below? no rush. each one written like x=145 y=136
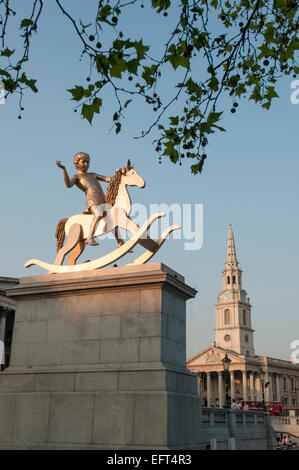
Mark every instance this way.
x=228 y=280
x=292 y=384
x=226 y=317
x=244 y=317
x=234 y=279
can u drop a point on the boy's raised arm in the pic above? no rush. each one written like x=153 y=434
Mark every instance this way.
x=103 y=178
x=68 y=182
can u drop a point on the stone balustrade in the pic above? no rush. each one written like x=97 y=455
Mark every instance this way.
x=230 y=429
x=286 y=424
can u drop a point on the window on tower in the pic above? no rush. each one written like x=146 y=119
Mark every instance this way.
x=234 y=279
x=244 y=317
x=226 y=317
x=228 y=280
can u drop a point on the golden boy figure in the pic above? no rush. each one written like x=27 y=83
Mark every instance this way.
x=89 y=184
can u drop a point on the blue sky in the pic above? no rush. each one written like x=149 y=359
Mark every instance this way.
x=251 y=175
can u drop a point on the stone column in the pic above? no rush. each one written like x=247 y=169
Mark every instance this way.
x=232 y=385
x=220 y=389
x=251 y=385
x=268 y=388
x=260 y=391
x=272 y=390
x=244 y=380
x=278 y=392
x=199 y=391
x=289 y=389
x=209 y=389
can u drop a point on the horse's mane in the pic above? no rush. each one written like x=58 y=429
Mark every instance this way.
x=112 y=190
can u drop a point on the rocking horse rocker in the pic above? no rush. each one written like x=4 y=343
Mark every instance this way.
x=109 y=216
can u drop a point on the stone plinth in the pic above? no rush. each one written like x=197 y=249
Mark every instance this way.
x=98 y=361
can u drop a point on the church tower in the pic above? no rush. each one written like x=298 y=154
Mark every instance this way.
x=233 y=309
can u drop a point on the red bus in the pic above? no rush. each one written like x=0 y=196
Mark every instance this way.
x=271 y=407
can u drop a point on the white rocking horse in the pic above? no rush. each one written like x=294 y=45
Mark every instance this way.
x=118 y=207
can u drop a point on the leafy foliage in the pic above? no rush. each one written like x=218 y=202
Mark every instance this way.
x=238 y=48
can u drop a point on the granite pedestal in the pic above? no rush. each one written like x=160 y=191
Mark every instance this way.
x=98 y=361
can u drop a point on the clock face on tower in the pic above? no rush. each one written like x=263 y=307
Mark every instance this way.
x=227 y=338
x=243 y=295
x=226 y=294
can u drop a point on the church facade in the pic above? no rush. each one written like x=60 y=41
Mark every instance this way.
x=249 y=376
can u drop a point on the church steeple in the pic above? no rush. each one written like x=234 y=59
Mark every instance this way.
x=233 y=309
x=231 y=257
x=232 y=274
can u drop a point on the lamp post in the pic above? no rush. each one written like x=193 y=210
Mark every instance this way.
x=225 y=364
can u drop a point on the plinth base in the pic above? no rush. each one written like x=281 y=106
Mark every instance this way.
x=98 y=362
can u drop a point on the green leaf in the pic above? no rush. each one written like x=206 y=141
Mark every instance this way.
x=26 y=22
x=10 y=84
x=4 y=73
x=174 y=120
x=256 y=94
x=77 y=92
x=149 y=73
x=267 y=105
x=240 y=89
x=271 y=93
x=140 y=49
x=133 y=65
x=102 y=64
x=177 y=61
x=195 y=169
x=88 y=110
x=161 y=5
x=118 y=66
x=213 y=117
x=213 y=83
x=31 y=83
x=7 y=52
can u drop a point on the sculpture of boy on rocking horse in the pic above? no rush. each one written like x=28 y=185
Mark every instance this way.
x=104 y=214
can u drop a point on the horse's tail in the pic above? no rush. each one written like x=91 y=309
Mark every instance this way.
x=60 y=233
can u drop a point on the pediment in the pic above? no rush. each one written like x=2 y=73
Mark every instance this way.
x=213 y=355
